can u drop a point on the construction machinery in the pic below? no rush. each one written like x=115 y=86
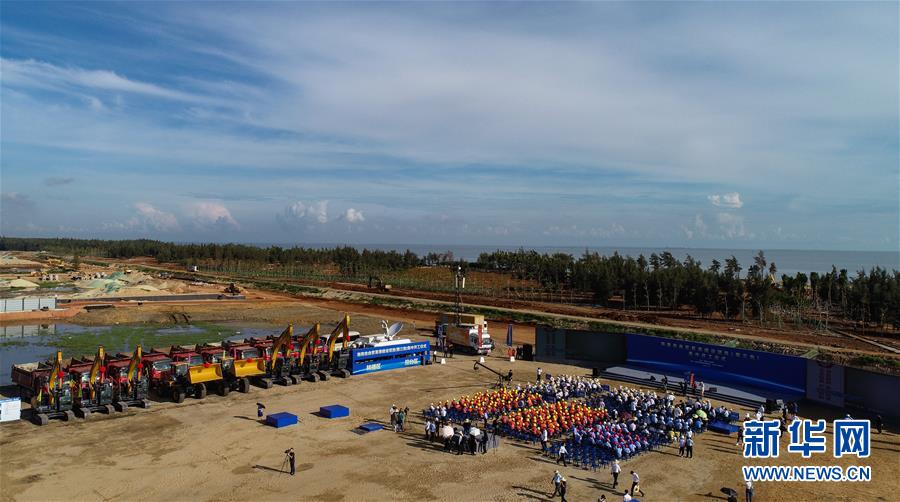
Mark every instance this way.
x=279 y=356
x=179 y=371
x=240 y=363
x=307 y=346
x=47 y=387
x=131 y=387
x=93 y=389
x=335 y=363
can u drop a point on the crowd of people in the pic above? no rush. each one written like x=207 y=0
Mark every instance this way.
x=661 y=414
x=483 y=405
x=556 y=418
x=563 y=387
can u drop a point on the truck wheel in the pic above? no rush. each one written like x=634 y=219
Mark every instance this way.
x=244 y=385
x=200 y=391
x=178 y=395
x=69 y=415
x=224 y=389
x=40 y=419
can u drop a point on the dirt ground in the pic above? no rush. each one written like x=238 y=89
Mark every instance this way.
x=215 y=449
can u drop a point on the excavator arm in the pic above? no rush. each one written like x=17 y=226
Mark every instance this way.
x=134 y=368
x=282 y=341
x=342 y=327
x=55 y=375
x=99 y=361
x=311 y=336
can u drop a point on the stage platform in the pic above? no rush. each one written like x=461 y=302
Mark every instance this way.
x=747 y=396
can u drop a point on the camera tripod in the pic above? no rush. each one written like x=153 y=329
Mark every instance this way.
x=287 y=458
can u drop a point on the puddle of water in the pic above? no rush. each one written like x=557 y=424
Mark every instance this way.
x=28 y=343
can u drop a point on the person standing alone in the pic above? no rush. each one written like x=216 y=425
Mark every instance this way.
x=749 y=491
x=291 y=459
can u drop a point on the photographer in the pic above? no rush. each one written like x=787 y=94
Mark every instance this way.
x=290 y=455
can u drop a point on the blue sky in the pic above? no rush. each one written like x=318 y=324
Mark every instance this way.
x=743 y=125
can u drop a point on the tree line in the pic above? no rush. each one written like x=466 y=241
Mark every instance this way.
x=664 y=282
x=658 y=282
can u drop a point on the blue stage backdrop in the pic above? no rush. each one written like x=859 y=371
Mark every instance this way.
x=717 y=363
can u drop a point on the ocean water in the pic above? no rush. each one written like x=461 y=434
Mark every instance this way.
x=788 y=261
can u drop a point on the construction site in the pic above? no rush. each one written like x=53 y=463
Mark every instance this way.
x=210 y=415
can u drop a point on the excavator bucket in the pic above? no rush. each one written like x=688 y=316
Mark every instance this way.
x=248 y=368
x=206 y=373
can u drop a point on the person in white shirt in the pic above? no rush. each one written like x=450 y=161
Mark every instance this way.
x=627 y=497
x=615 y=469
x=563 y=453
x=557 y=478
x=636 y=484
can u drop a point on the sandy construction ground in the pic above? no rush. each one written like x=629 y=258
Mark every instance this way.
x=215 y=449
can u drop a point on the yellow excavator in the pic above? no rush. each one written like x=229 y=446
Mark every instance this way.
x=47 y=388
x=93 y=389
x=325 y=361
x=277 y=357
x=131 y=387
x=306 y=344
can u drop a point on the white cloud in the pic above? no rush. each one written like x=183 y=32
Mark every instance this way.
x=698 y=228
x=298 y=213
x=731 y=200
x=211 y=214
x=353 y=216
x=154 y=218
x=32 y=73
x=732 y=225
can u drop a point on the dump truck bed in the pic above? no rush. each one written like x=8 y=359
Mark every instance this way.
x=25 y=374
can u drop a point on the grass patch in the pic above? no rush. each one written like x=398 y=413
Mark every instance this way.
x=875 y=361
x=125 y=338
